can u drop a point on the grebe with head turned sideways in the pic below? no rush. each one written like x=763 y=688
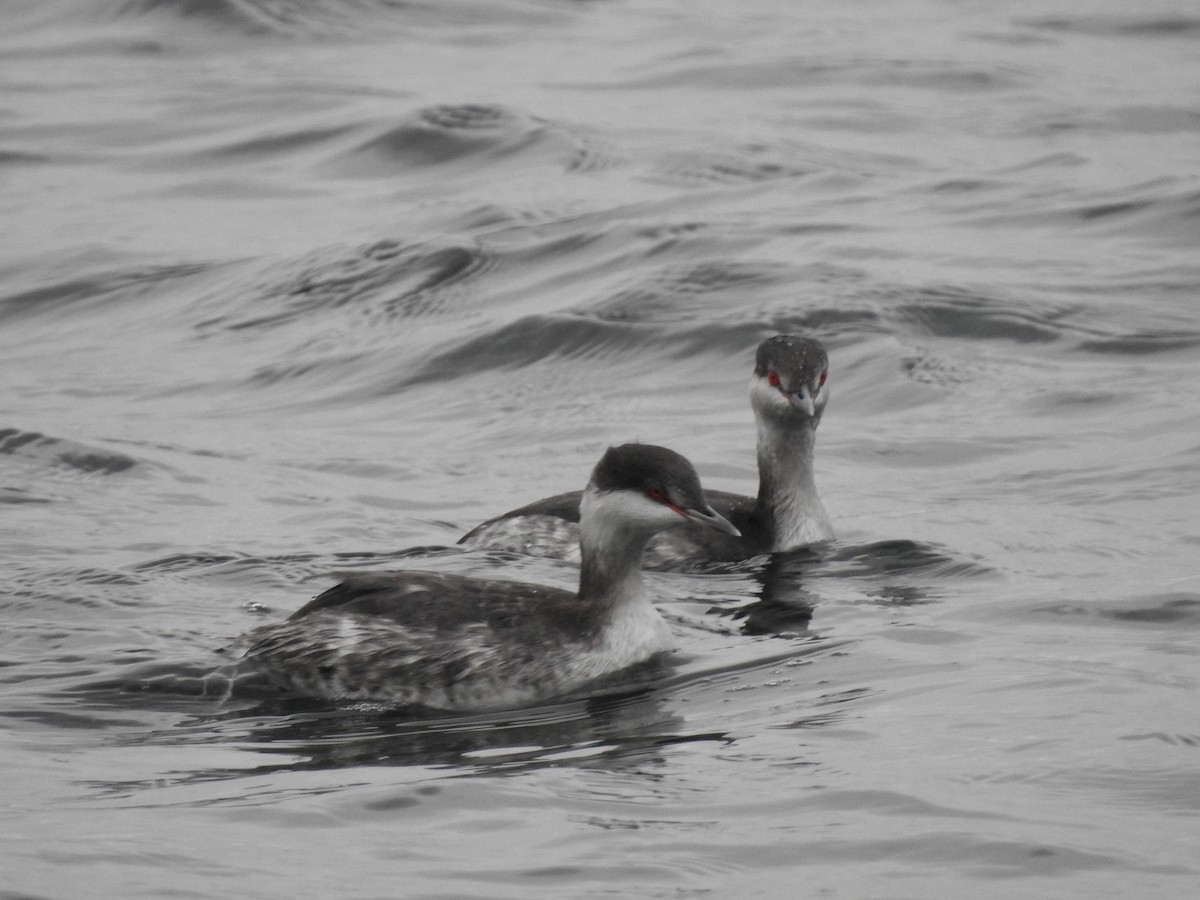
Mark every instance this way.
x=458 y=643
x=788 y=393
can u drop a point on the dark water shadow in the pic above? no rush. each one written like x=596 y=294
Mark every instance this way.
x=625 y=721
x=1174 y=610
x=325 y=20
x=62 y=453
x=788 y=587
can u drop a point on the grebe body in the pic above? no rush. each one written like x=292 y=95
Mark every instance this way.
x=458 y=643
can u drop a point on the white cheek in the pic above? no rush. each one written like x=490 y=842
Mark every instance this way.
x=822 y=396
x=625 y=509
x=764 y=397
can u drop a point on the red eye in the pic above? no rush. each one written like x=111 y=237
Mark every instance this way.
x=772 y=378
x=657 y=494
x=824 y=375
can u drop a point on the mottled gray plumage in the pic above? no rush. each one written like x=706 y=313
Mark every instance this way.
x=454 y=642
x=788 y=393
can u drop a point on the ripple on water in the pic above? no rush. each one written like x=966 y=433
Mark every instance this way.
x=1143 y=344
x=95 y=292
x=1131 y=25
x=386 y=280
x=972 y=314
x=466 y=139
x=325 y=19
x=62 y=453
x=798 y=73
x=749 y=166
x=1174 y=609
x=1162 y=210
x=679 y=292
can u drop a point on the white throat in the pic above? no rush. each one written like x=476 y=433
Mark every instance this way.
x=787 y=496
x=613 y=530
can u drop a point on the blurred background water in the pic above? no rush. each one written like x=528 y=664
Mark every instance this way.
x=291 y=286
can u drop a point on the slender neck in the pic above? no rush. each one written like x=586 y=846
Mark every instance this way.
x=611 y=550
x=787 y=504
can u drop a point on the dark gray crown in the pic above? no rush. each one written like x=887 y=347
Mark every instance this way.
x=797 y=360
x=641 y=467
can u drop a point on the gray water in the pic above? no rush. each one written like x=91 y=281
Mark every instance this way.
x=294 y=287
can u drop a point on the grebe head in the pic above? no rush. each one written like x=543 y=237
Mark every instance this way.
x=650 y=488
x=790 y=380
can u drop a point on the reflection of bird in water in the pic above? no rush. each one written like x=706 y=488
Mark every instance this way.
x=788 y=392
x=792 y=585
x=626 y=725
x=784 y=605
x=460 y=643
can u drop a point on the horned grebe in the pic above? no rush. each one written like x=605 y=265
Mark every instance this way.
x=788 y=393
x=458 y=643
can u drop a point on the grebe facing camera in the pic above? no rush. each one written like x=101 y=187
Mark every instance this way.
x=453 y=642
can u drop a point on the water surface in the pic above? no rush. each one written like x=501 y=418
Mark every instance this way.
x=288 y=288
